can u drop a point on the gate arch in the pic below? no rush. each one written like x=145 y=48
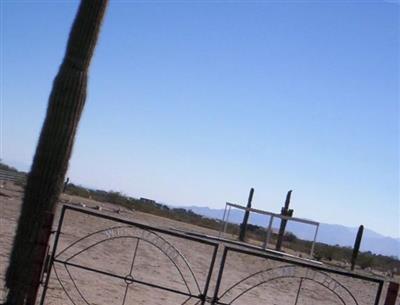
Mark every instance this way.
x=125 y=255
x=108 y=235
x=245 y=285
x=289 y=280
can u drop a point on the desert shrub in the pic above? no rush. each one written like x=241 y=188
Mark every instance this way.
x=6 y=167
x=322 y=251
x=289 y=237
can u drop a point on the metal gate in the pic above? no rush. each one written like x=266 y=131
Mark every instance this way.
x=101 y=259
x=262 y=278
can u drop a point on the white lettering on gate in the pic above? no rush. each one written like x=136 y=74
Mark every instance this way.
x=148 y=236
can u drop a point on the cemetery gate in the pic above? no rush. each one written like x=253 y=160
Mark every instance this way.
x=101 y=259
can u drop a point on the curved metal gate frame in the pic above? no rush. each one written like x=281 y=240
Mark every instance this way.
x=292 y=269
x=299 y=270
x=150 y=235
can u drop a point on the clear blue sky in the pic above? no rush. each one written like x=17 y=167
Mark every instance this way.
x=194 y=103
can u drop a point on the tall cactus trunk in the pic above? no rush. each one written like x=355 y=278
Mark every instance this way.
x=45 y=180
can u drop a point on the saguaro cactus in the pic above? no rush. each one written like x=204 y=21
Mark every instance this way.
x=285 y=211
x=243 y=225
x=356 y=247
x=45 y=180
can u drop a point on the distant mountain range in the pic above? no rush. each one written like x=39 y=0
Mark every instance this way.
x=328 y=233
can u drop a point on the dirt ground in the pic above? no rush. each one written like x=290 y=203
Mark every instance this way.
x=104 y=261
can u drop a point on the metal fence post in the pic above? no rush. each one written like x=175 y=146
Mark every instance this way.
x=392 y=292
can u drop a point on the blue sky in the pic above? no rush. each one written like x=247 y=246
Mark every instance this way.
x=193 y=103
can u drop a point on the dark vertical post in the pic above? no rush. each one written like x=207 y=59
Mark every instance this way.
x=50 y=163
x=298 y=291
x=356 y=248
x=285 y=211
x=393 y=291
x=243 y=226
x=41 y=251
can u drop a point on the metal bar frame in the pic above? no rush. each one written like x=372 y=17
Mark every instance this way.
x=53 y=258
x=303 y=220
x=269 y=232
x=227 y=219
x=223 y=222
x=227 y=249
x=314 y=241
x=272 y=216
x=202 y=298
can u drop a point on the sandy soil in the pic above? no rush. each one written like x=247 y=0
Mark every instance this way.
x=127 y=257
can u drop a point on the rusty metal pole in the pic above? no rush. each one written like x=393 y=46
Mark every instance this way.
x=284 y=212
x=40 y=254
x=356 y=248
x=243 y=226
x=392 y=292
